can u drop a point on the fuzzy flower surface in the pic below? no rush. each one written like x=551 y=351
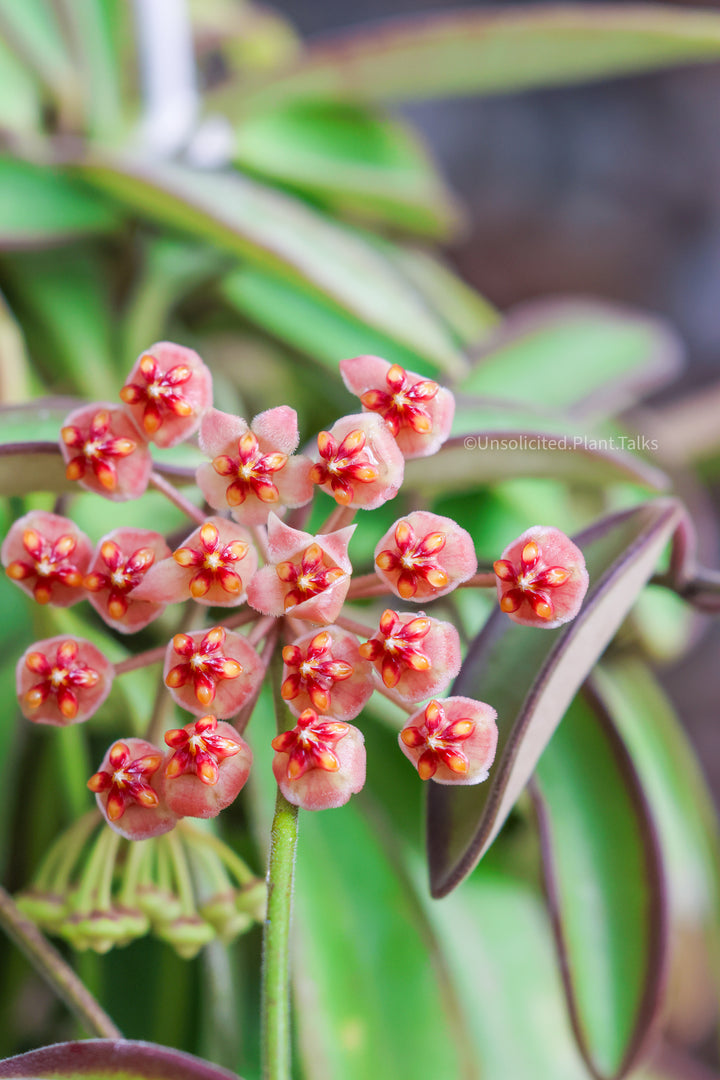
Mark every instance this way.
x=208 y=767
x=217 y=667
x=47 y=556
x=307 y=576
x=541 y=578
x=417 y=411
x=320 y=763
x=358 y=462
x=104 y=452
x=414 y=655
x=62 y=680
x=118 y=568
x=451 y=741
x=129 y=789
x=254 y=469
x=424 y=555
x=326 y=671
x=212 y=566
x=167 y=392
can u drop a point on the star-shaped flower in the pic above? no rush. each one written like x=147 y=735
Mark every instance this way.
x=104 y=452
x=217 y=668
x=307 y=575
x=451 y=741
x=326 y=671
x=320 y=763
x=118 y=568
x=167 y=392
x=62 y=680
x=358 y=462
x=253 y=469
x=542 y=578
x=416 y=656
x=425 y=555
x=129 y=786
x=47 y=556
x=213 y=566
x=208 y=769
x=417 y=411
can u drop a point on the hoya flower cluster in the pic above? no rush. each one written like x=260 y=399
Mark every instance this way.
x=288 y=587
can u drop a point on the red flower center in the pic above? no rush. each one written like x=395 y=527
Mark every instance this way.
x=308 y=578
x=212 y=561
x=126 y=783
x=123 y=575
x=199 y=749
x=314 y=671
x=65 y=678
x=439 y=737
x=397 y=646
x=414 y=560
x=310 y=744
x=530 y=581
x=402 y=404
x=343 y=465
x=97 y=449
x=49 y=564
x=159 y=394
x=252 y=470
x=204 y=664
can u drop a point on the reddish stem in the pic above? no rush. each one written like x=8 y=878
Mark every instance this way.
x=177 y=499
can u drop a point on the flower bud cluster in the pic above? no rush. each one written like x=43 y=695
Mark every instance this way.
x=99 y=892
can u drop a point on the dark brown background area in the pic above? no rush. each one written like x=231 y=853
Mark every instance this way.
x=610 y=190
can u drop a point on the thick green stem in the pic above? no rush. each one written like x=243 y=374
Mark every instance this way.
x=48 y=962
x=275 y=1004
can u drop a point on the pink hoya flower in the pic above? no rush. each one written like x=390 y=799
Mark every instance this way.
x=254 y=470
x=425 y=555
x=414 y=655
x=213 y=566
x=542 y=579
x=167 y=392
x=320 y=763
x=326 y=671
x=129 y=787
x=47 y=556
x=216 y=668
x=119 y=565
x=358 y=462
x=418 y=412
x=104 y=452
x=307 y=576
x=209 y=767
x=62 y=680
x=451 y=741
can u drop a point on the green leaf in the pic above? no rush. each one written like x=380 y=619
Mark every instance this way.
x=14 y=366
x=40 y=206
x=20 y=108
x=683 y=809
x=470 y=316
x=491 y=456
x=110 y=1059
x=605 y=886
x=579 y=356
x=530 y=676
x=279 y=233
x=498 y=946
x=351 y=159
x=96 y=30
x=351 y=916
x=33 y=32
x=64 y=304
x=488 y=52
x=307 y=322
